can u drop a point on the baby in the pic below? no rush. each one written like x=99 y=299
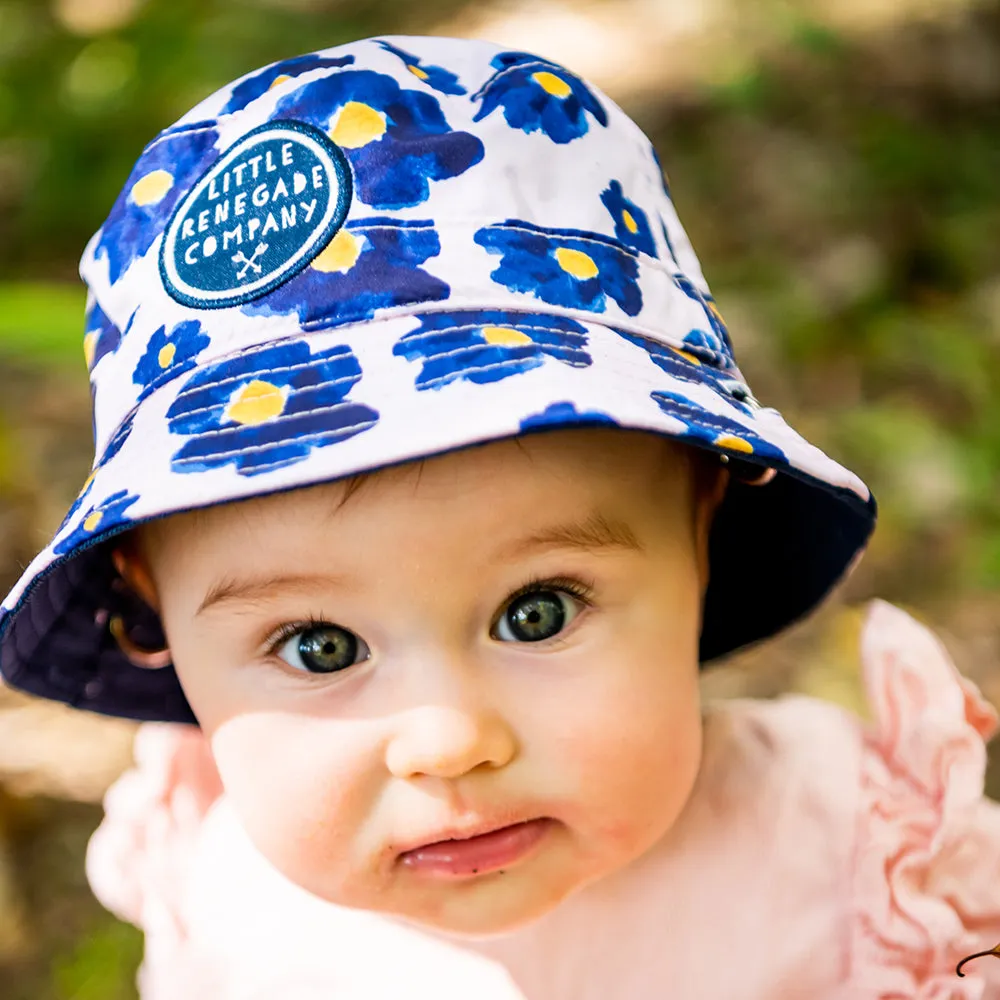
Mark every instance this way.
x=426 y=482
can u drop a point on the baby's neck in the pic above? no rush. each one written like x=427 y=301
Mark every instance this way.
x=596 y=942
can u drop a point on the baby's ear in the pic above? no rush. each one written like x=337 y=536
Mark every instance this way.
x=132 y=567
x=709 y=481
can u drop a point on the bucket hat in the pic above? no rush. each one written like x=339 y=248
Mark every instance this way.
x=386 y=251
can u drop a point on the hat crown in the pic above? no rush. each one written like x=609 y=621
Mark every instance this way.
x=470 y=177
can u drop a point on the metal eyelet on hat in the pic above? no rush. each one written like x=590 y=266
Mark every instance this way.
x=745 y=472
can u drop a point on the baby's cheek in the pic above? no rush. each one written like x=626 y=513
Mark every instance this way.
x=635 y=764
x=302 y=792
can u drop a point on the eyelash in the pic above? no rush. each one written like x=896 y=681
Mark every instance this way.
x=279 y=636
x=578 y=589
x=581 y=590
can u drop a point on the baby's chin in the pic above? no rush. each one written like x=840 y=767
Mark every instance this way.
x=491 y=909
x=492 y=905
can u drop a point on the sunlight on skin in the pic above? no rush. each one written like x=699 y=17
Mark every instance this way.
x=446 y=729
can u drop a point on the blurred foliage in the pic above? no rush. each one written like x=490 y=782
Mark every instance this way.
x=842 y=193
x=77 y=107
x=845 y=200
x=75 y=949
x=101 y=966
x=41 y=321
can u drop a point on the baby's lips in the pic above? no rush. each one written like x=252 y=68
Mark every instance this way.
x=479 y=854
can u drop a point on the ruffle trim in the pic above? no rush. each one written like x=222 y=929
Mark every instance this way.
x=927 y=863
x=139 y=858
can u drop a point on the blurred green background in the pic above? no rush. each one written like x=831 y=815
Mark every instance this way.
x=836 y=165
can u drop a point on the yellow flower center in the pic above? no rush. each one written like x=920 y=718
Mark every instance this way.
x=552 y=84
x=151 y=188
x=630 y=224
x=90 y=346
x=92 y=520
x=734 y=443
x=357 y=125
x=279 y=80
x=418 y=72
x=166 y=355
x=505 y=336
x=686 y=356
x=340 y=254
x=576 y=263
x=256 y=403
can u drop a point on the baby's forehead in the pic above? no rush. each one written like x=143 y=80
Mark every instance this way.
x=567 y=469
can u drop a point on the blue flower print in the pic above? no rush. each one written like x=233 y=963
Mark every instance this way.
x=101 y=336
x=539 y=95
x=565 y=414
x=93 y=410
x=663 y=173
x=666 y=190
x=109 y=513
x=719 y=336
x=716 y=430
x=564 y=267
x=267 y=408
x=668 y=240
x=370 y=264
x=171 y=353
x=112 y=448
x=706 y=344
x=631 y=224
x=163 y=173
x=675 y=362
x=434 y=76
x=396 y=140
x=116 y=441
x=252 y=87
x=691 y=365
x=489 y=345
x=78 y=502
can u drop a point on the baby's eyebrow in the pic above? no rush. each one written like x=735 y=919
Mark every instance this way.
x=595 y=532
x=230 y=590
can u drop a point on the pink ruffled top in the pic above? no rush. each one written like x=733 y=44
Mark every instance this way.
x=819 y=857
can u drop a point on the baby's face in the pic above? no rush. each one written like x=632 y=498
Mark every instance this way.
x=462 y=692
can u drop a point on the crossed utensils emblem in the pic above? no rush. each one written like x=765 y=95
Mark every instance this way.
x=249 y=262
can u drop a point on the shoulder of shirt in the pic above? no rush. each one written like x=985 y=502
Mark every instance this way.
x=762 y=750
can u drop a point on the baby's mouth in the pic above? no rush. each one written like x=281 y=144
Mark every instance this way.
x=469 y=856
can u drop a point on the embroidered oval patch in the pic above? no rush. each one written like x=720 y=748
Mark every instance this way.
x=256 y=217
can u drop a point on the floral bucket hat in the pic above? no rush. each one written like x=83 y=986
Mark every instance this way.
x=384 y=251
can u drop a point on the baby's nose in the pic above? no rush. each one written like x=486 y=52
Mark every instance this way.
x=445 y=741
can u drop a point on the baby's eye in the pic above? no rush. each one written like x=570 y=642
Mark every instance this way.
x=536 y=615
x=323 y=649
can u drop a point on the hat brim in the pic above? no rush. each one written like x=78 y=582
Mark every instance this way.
x=303 y=410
